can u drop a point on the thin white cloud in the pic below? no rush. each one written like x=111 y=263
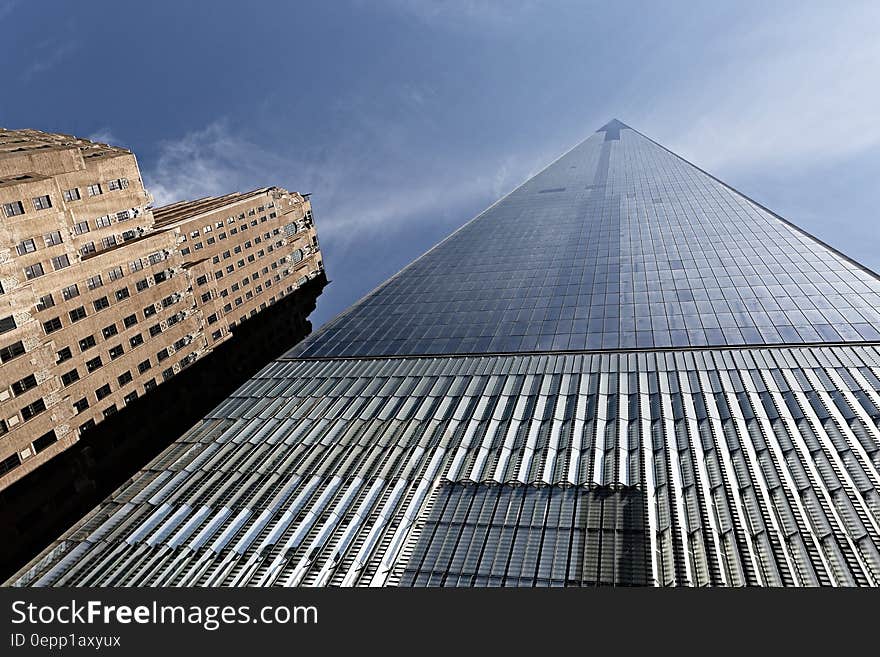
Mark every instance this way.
x=105 y=136
x=48 y=55
x=790 y=91
x=465 y=14
x=352 y=201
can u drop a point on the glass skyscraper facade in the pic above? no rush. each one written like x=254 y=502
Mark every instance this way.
x=622 y=373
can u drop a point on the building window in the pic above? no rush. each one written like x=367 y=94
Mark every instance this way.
x=60 y=262
x=45 y=441
x=149 y=311
x=206 y=297
x=136 y=340
x=33 y=409
x=124 y=379
x=10 y=462
x=179 y=344
x=13 y=209
x=63 y=355
x=212 y=319
x=95 y=190
x=53 y=238
x=42 y=203
x=95 y=282
x=201 y=280
x=102 y=222
x=46 y=301
x=109 y=331
x=7 y=324
x=116 y=352
x=94 y=364
x=168 y=301
x=52 y=325
x=122 y=293
x=141 y=285
x=119 y=183
x=101 y=303
x=70 y=292
x=143 y=366
x=69 y=377
x=160 y=277
x=115 y=273
x=184 y=251
x=174 y=319
x=81 y=405
x=87 y=249
x=135 y=265
x=124 y=215
x=167 y=374
x=128 y=235
x=26 y=246
x=109 y=241
x=155 y=330
x=216 y=335
x=86 y=426
x=149 y=385
x=130 y=397
x=110 y=410
x=25 y=384
x=72 y=194
x=155 y=258
x=103 y=392
x=130 y=321
x=77 y=314
x=11 y=351
x=81 y=227
x=162 y=355
x=87 y=343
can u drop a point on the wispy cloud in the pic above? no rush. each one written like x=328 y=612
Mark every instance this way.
x=465 y=14
x=105 y=136
x=787 y=91
x=7 y=7
x=47 y=55
x=353 y=197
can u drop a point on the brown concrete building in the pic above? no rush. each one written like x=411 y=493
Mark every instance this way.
x=103 y=297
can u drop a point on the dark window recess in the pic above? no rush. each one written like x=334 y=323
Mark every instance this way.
x=81 y=405
x=9 y=463
x=130 y=397
x=77 y=314
x=20 y=387
x=130 y=321
x=94 y=363
x=101 y=303
x=52 y=325
x=87 y=343
x=7 y=324
x=33 y=409
x=63 y=355
x=103 y=391
x=69 y=377
x=85 y=426
x=44 y=441
x=136 y=340
x=116 y=352
x=11 y=351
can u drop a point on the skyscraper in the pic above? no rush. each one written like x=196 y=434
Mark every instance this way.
x=622 y=373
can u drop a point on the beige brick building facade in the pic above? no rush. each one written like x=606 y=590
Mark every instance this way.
x=104 y=297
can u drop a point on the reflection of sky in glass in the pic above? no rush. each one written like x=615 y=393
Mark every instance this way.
x=618 y=244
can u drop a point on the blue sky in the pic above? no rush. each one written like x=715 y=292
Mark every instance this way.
x=404 y=119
